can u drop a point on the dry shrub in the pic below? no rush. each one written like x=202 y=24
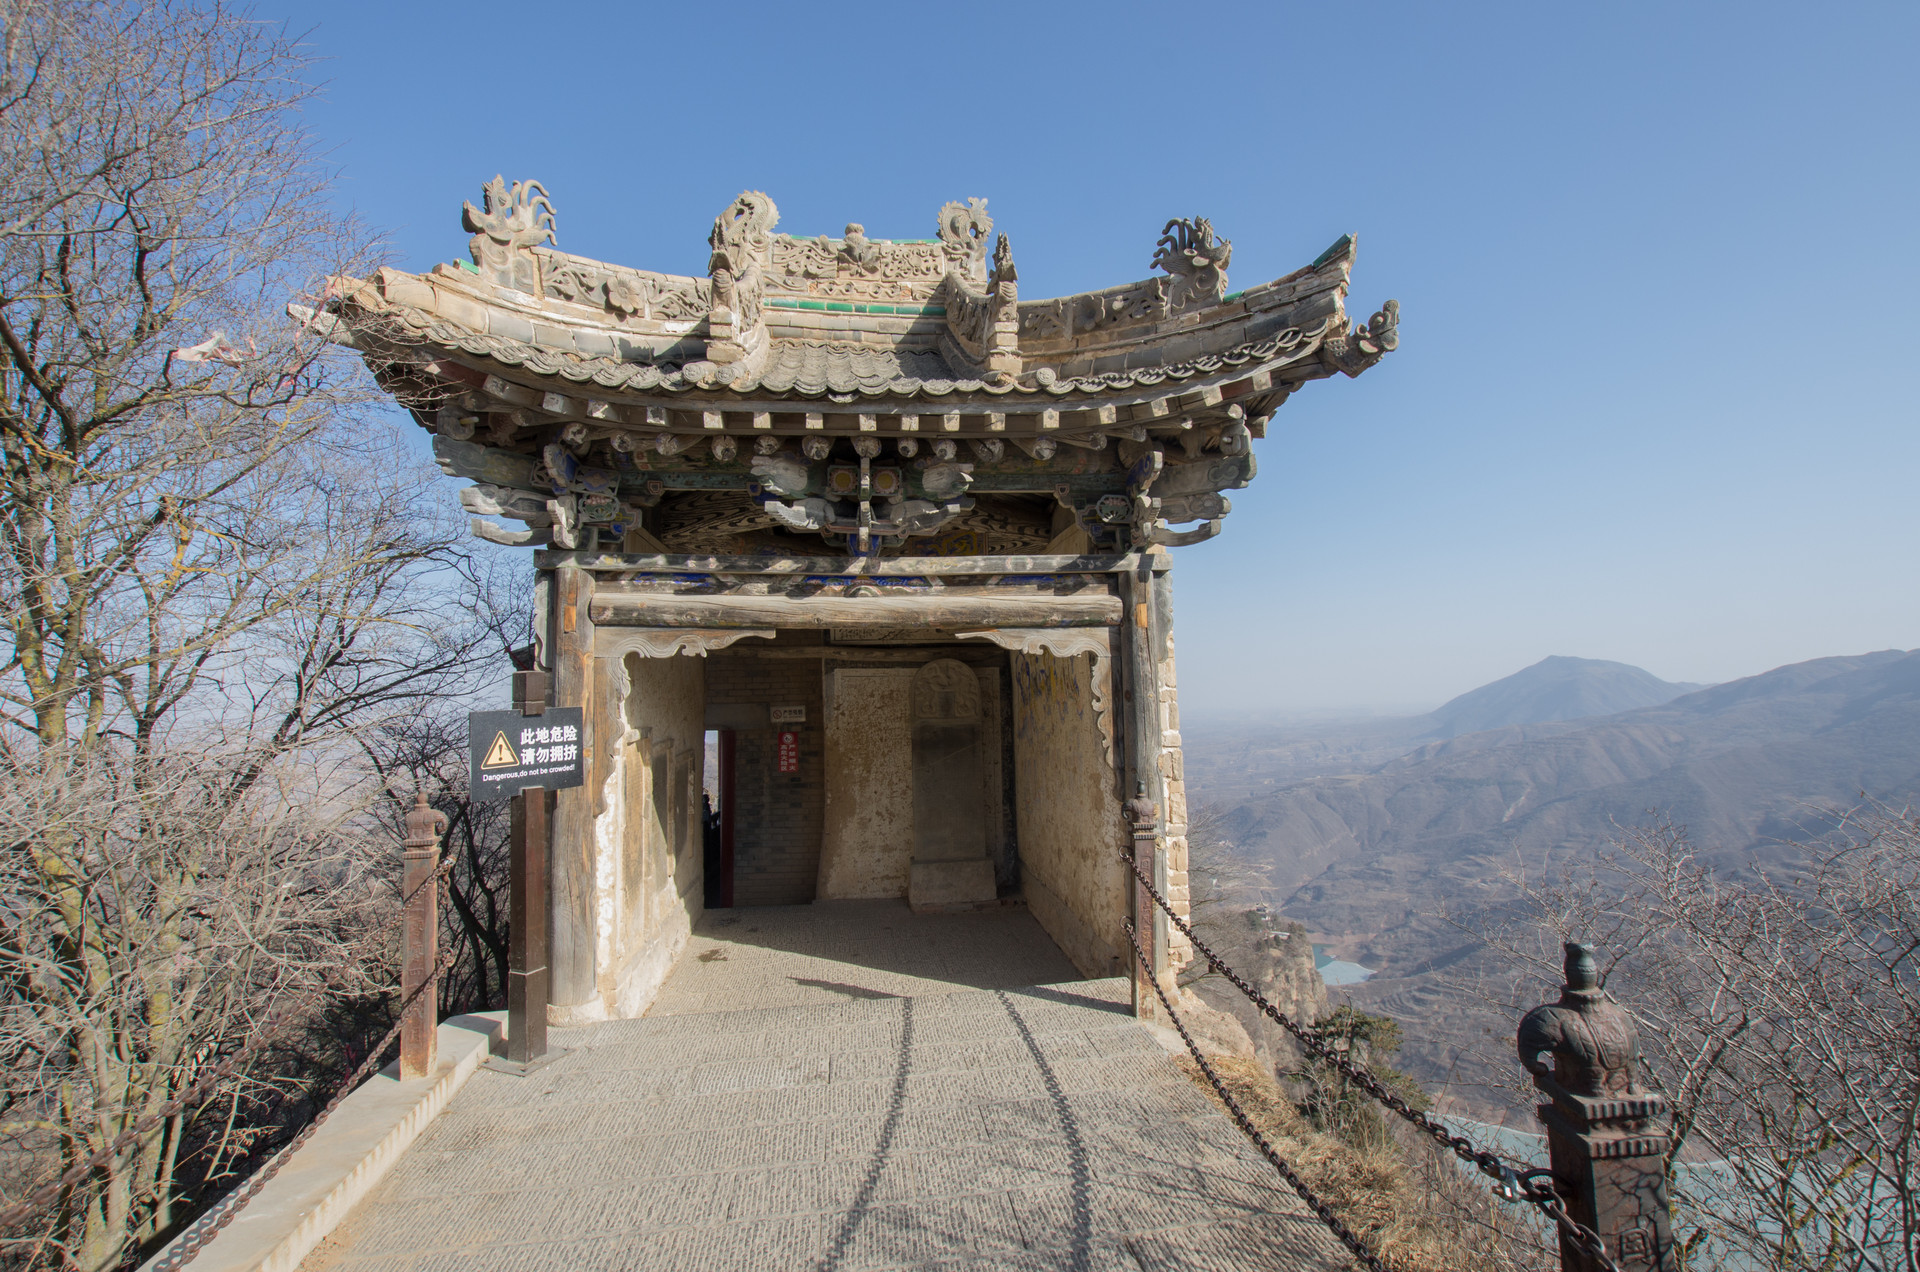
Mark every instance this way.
x=1411 y=1205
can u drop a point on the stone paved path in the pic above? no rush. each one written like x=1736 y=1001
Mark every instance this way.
x=836 y=951
x=846 y=1087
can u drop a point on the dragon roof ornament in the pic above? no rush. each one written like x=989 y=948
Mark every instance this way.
x=1198 y=264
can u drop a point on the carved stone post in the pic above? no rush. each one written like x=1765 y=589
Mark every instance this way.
x=1604 y=1139
x=419 y=939
x=1145 y=816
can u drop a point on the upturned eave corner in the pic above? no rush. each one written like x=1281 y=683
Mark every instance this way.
x=882 y=395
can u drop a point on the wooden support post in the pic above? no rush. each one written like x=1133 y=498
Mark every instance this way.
x=727 y=758
x=1159 y=648
x=1145 y=818
x=1141 y=681
x=570 y=872
x=1605 y=1138
x=419 y=941
x=527 y=885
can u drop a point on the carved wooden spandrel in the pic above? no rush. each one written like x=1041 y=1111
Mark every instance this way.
x=667 y=642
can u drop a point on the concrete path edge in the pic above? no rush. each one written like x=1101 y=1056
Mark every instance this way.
x=352 y=1152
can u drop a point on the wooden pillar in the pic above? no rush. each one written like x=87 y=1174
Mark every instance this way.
x=527 y=981
x=1139 y=661
x=1159 y=633
x=570 y=874
x=419 y=942
x=1144 y=817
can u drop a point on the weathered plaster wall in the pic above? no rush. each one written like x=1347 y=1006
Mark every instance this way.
x=777 y=816
x=1068 y=812
x=993 y=772
x=868 y=841
x=646 y=837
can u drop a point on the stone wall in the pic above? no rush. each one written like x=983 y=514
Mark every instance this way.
x=1068 y=812
x=868 y=842
x=867 y=847
x=777 y=817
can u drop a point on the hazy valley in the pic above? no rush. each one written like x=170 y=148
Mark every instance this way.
x=1390 y=839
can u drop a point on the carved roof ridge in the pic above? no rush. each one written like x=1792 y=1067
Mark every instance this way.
x=1289 y=345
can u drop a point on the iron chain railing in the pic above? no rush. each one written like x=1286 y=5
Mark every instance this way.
x=46 y=1194
x=1325 y=1212
x=1528 y=1185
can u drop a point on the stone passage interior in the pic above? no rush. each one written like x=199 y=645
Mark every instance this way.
x=822 y=766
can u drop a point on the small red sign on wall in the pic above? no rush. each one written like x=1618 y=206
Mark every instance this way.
x=789 y=751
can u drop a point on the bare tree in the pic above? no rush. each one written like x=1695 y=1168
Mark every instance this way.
x=222 y=568
x=428 y=752
x=1778 y=1012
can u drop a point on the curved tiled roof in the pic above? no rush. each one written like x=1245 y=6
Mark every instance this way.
x=824 y=369
x=845 y=320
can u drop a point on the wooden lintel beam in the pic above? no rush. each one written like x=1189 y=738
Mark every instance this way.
x=852 y=570
x=966 y=652
x=942 y=610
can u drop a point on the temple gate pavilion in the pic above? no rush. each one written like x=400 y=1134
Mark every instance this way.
x=899 y=535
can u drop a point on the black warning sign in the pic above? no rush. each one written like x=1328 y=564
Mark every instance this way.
x=508 y=752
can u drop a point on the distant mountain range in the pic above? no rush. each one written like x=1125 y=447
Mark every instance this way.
x=1556 y=688
x=1234 y=761
x=1380 y=835
x=1364 y=836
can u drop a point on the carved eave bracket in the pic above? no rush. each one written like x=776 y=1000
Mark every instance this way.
x=1060 y=642
x=1066 y=643
x=666 y=642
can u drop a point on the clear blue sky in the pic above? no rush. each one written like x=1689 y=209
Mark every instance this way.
x=1656 y=393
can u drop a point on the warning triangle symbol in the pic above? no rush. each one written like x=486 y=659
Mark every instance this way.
x=500 y=755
